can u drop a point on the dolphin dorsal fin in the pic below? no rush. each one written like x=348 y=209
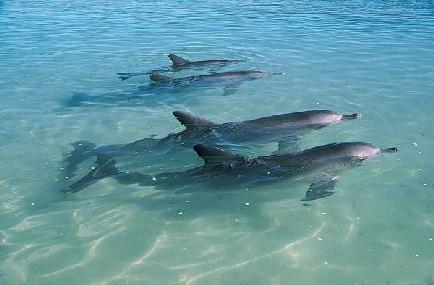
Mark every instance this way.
x=177 y=60
x=190 y=120
x=214 y=155
x=159 y=77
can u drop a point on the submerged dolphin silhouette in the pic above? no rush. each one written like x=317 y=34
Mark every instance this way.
x=319 y=166
x=229 y=80
x=285 y=129
x=179 y=63
x=162 y=84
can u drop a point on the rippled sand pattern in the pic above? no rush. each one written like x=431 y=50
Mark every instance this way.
x=372 y=57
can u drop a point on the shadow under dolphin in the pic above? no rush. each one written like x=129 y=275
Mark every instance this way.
x=179 y=63
x=286 y=129
x=319 y=167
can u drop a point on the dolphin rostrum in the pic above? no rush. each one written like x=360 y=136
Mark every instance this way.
x=179 y=63
x=319 y=167
x=285 y=129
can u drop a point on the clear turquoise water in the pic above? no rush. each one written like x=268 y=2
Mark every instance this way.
x=373 y=57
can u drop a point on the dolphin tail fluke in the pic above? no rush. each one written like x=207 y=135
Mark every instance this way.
x=320 y=189
x=105 y=166
x=81 y=184
x=81 y=151
x=177 y=60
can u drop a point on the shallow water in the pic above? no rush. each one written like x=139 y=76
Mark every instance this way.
x=372 y=57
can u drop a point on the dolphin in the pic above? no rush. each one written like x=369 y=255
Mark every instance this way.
x=179 y=63
x=286 y=129
x=161 y=85
x=229 y=80
x=319 y=167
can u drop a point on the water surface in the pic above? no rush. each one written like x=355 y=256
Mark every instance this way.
x=372 y=57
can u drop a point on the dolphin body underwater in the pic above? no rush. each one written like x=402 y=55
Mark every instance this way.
x=229 y=79
x=319 y=166
x=179 y=63
x=285 y=129
x=161 y=84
